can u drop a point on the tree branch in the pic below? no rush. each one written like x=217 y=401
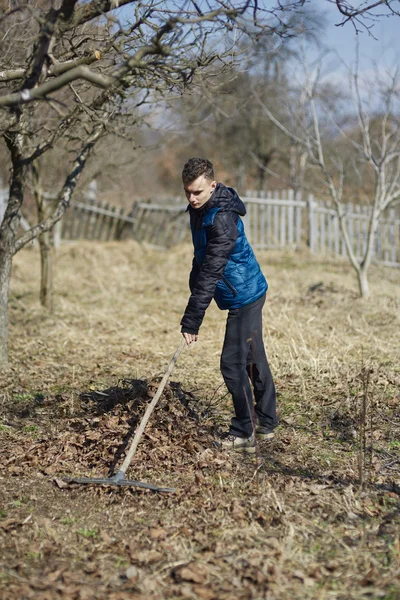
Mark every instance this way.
x=83 y=72
x=40 y=92
x=269 y=114
x=54 y=70
x=65 y=195
x=351 y=12
x=91 y=10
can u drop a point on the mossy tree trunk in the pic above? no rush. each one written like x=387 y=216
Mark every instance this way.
x=45 y=207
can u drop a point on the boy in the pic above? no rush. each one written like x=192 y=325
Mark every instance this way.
x=224 y=268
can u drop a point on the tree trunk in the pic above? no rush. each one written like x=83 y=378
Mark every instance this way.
x=46 y=270
x=363 y=282
x=5 y=276
x=44 y=208
x=8 y=231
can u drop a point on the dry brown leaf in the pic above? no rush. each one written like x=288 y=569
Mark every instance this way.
x=237 y=509
x=52 y=577
x=144 y=556
x=14 y=470
x=132 y=572
x=87 y=593
x=186 y=591
x=157 y=533
x=191 y=573
x=90 y=567
x=370 y=577
x=203 y=592
x=106 y=538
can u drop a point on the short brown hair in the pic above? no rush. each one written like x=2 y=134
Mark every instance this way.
x=195 y=167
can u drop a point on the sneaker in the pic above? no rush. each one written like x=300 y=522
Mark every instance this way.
x=264 y=433
x=231 y=442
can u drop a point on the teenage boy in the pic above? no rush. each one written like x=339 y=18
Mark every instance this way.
x=225 y=268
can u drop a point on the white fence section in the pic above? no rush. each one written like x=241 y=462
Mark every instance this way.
x=274 y=219
x=325 y=236
x=279 y=220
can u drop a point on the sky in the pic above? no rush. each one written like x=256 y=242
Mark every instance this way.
x=384 y=50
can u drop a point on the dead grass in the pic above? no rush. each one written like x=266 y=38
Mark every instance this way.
x=292 y=523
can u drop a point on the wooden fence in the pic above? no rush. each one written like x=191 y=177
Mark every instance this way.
x=158 y=225
x=273 y=220
x=325 y=237
x=88 y=219
x=279 y=220
x=95 y=221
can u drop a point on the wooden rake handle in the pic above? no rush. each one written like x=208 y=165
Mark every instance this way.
x=149 y=410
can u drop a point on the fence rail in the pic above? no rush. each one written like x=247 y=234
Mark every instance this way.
x=273 y=220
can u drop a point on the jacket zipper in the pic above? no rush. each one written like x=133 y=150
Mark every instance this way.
x=229 y=285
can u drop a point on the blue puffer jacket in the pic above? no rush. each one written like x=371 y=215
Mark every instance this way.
x=224 y=266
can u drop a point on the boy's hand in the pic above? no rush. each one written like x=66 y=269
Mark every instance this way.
x=190 y=337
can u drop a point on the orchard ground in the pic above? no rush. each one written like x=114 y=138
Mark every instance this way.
x=291 y=522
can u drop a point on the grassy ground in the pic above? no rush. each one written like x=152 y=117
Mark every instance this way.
x=293 y=522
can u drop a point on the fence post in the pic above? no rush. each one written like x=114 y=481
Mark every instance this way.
x=290 y=218
x=91 y=192
x=57 y=235
x=311 y=214
x=298 y=197
x=247 y=223
x=392 y=235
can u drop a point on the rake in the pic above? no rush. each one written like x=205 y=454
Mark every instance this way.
x=119 y=478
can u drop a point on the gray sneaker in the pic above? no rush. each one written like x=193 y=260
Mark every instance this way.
x=264 y=433
x=231 y=442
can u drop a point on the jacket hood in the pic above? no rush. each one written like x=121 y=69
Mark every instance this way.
x=225 y=198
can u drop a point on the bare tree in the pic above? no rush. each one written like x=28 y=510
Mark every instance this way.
x=367 y=145
x=90 y=71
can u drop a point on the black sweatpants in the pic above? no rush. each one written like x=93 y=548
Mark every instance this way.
x=243 y=359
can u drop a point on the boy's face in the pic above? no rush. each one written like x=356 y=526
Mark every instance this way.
x=199 y=191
